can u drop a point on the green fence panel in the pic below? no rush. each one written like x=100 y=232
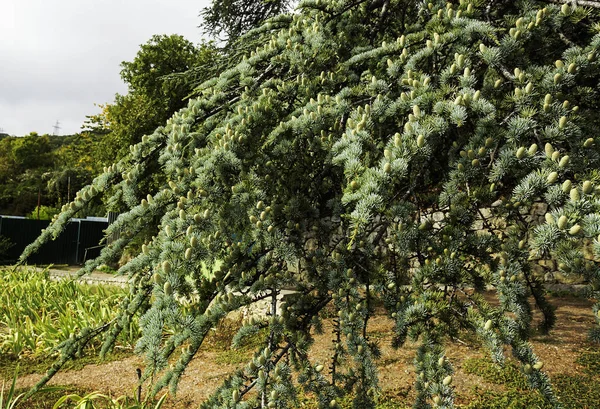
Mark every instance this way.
x=81 y=239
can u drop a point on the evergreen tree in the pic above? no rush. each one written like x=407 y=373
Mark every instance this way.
x=362 y=150
x=227 y=20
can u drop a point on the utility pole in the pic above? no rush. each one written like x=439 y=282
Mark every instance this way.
x=56 y=128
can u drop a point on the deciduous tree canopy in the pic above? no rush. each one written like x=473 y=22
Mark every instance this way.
x=155 y=92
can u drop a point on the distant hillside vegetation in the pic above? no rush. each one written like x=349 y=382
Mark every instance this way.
x=50 y=167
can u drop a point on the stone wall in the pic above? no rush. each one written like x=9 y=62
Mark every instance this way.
x=547 y=269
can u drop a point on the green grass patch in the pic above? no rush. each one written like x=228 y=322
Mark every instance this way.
x=220 y=341
x=311 y=402
x=106 y=269
x=221 y=338
x=568 y=294
x=590 y=361
x=233 y=357
x=388 y=400
x=579 y=392
x=396 y=399
x=39 y=365
x=512 y=399
x=508 y=374
x=574 y=392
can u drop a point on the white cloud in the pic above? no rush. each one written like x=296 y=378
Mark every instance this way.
x=59 y=57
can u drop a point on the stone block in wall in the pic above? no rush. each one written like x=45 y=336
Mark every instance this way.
x=478 y=224
x=588 y=250
x=538 y=270
x=486 y=212
x=539 y=209
x=548 y=264
x=438 y=216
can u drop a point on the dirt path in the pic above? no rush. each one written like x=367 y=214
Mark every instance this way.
x=559 y=351
x=119 y=378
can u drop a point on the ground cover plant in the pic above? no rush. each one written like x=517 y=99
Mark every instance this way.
x=38 y=314
x=361 y=150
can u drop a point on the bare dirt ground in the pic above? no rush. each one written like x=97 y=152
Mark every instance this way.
x=559 y=351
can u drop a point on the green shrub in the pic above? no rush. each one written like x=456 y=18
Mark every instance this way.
x=45 y=213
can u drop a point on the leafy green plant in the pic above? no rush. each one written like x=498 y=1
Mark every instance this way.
x=37 y=314
x=45 y=213
x=95 y=400
x=10 y=400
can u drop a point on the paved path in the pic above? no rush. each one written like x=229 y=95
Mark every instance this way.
x=97 y=277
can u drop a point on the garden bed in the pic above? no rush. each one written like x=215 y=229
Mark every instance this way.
x=572 y=363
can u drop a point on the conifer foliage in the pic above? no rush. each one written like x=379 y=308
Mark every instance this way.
x=388 y=150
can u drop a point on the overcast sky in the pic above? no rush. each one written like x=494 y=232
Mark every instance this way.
x=59 y=57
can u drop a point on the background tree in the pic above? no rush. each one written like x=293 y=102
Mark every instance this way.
x=47 y=165
x=154 y=92
x=364 y=149
x=75 y=164
x=25 y=160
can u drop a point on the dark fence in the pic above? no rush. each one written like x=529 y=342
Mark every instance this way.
x=79 y=241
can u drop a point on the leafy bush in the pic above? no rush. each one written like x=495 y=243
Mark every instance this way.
x=38 y=314
x=45 y=213
x=95 y=400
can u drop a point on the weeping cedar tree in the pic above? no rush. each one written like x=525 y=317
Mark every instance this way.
x=364 y=150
